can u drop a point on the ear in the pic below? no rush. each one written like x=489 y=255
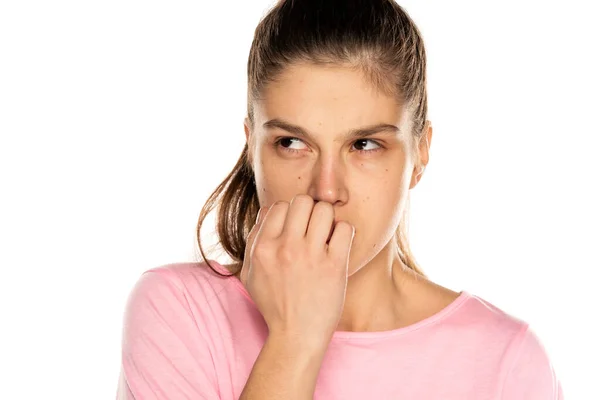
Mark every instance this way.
x=249 y=138
x=422 y=154
x=247 y=127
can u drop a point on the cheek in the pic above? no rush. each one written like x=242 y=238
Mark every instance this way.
x=381 y=204
x=276 y=182
x=380 y=207
x=379 y=187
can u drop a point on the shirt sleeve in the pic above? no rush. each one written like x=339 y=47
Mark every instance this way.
x=164 y=356
x=532 y=376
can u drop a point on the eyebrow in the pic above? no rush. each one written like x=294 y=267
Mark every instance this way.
x=351 y=134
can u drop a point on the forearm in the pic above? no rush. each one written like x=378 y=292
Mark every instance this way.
x=286 y=369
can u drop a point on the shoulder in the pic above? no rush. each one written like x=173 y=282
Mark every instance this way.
x=191 y=283
x=479 y=318
x=525 y=366
x=478 y=327
x=184 y=293
x=183 y=273
x=193 y=274
x=529 y=372
x=170 y=336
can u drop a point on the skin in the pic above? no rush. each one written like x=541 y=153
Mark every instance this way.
x=368 y=190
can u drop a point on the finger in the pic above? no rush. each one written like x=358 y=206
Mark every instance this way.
x=321 y=221
x=298 y=216
x=341 y=242
x=272 y=226
x=250 y=240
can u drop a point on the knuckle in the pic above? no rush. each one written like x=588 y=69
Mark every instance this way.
x=260 y=250
x=330 y=264
x=316 y=252
x=285 y=255
x=288 y=243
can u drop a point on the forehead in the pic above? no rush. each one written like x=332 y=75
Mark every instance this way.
x=327 y=98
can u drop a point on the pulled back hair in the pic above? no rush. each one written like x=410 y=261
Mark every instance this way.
x=375 y=37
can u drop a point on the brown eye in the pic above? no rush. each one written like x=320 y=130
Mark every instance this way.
x=363 y=143
x=284 y=143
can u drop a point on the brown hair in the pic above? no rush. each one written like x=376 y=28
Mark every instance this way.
x=376 y=37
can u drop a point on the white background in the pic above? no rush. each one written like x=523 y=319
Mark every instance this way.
x=119 y=118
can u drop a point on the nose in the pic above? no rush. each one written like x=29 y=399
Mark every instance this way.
x=328 y=181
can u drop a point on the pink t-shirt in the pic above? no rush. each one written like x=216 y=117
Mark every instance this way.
x=189 y=333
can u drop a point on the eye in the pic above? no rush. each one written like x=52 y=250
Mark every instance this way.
x=379 y=147
x=284 y=142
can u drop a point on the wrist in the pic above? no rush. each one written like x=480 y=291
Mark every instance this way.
x=297 y=342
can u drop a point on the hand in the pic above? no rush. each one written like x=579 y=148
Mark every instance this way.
x=298 y=280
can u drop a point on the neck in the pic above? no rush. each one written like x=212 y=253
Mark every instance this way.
x=378 y=293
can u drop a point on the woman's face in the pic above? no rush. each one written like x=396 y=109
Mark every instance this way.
x=365 y=178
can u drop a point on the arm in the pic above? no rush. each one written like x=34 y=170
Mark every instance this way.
x=532 y=376
x=164 y=355
x=286 y=369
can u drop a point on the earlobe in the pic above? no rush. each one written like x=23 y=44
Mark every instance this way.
x=417 y=174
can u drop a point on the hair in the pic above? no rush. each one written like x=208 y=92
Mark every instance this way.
x=375 y=37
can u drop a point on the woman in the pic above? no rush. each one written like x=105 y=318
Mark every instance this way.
x=324 y=299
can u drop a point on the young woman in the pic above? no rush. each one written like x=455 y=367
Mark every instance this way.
x=324 y=299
